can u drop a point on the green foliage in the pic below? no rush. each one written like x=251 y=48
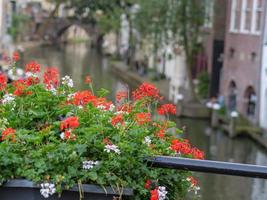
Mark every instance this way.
x=18 y=21
x=203 y=85
x=39 y=153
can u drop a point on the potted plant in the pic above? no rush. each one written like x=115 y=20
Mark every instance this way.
x=55 y=139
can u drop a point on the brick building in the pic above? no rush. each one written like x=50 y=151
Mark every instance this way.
x=241 y=72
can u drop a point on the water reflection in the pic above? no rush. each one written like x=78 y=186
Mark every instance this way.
x=218 y=146
x=79 y=61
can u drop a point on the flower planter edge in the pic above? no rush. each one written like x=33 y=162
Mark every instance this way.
x=87 y=188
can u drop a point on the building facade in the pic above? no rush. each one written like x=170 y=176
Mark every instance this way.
x=263 y=96
x=240 y=78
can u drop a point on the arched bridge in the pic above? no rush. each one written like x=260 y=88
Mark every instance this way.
x=56 y=28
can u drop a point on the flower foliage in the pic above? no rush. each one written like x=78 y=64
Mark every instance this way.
x=57 y=137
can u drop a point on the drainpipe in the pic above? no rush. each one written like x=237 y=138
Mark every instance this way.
x=261 y=72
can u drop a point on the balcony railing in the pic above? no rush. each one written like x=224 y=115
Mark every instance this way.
x=207 y=166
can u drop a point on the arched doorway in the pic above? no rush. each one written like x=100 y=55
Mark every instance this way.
x=250 y=101
x=232 y=96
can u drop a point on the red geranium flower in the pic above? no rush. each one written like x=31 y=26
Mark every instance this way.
x=161 y=133
x=146 y=90
x=197 y=154
x=167 y=109
x=118 y=119
x=33 y=67
x=51 y=77
x=148 y=184
x=88 y=79
x=69 y=123
x=20 y=86
x=16 y=56
x=32 y=80
x=83 y=98
x=182 y=147
x=154 y=194
x=125 y=108
x=142 y=118
x=192 y=180
x=7 y=132
x=3 y=81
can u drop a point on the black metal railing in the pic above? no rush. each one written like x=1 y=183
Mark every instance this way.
x=208 y=166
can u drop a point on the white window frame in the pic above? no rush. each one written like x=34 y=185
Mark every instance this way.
x=244 y=16
x=254 y=17
x=233 y=17
x=209 y=13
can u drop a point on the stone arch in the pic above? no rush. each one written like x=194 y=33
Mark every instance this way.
x=70 y=30
x=232 y=96
x=250 y=101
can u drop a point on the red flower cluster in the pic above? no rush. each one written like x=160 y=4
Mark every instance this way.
x=146 y=90
x=69 y=123
x=82 y=98
x=3 y=81
x=121 y=95
x=118 y=119
x=15 y=56
x=7 y=132
x=88 y=79
x=148 y=184
x=125 y=108
x=142 y=118
x=33 y=67
x=183 y=147
x=192 y=180
x=160 y=133
x=32 y=80
x=154 y=194
x=51 y=77
x=20 y=86
x=167 y=109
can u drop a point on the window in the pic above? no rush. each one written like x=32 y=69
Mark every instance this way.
x=209 y=11
x=248 y=5
x=235 y=15
x=246 y=16
x=259 y=15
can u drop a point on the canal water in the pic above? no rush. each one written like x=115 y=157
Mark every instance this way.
x=78 y=60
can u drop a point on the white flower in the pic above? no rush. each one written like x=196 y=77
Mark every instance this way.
x=111 y=107
x=66 y=80
x=47 y=189
x=121 y=112
x=162 y=193
x=51 y=89
x=234 y=114
x=30 y=74
x=147 y=140
x=89 y=164
x=101 y=107
x=70 y=96
x=112 y=147
x=62 y=135
x=8 y=98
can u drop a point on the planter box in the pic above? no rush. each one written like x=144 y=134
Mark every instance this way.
x=26 y=190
